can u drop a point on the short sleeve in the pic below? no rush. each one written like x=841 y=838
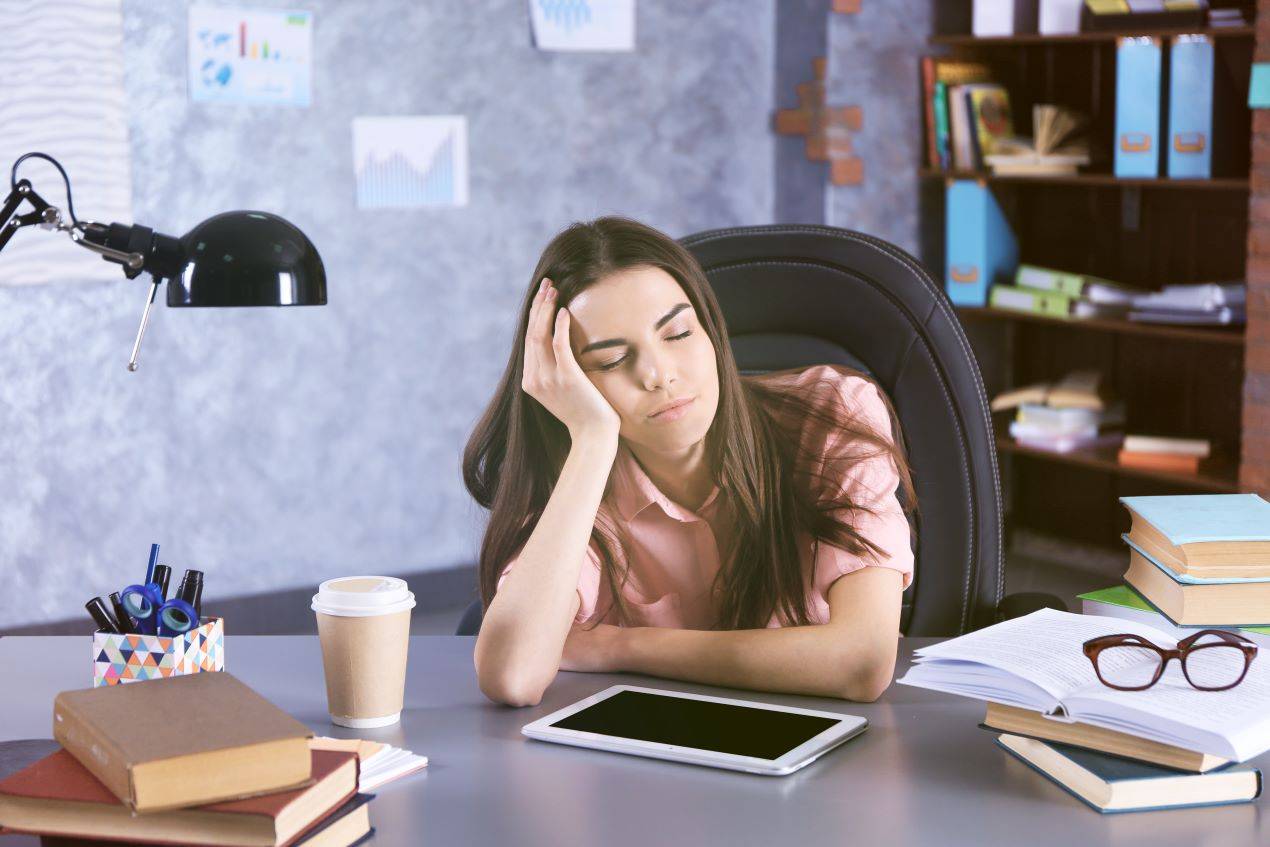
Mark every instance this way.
x=588 y=581
x=872 y=483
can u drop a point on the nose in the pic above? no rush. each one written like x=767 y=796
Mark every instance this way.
x=657 y=370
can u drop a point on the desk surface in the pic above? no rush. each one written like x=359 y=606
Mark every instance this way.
x=923 y=773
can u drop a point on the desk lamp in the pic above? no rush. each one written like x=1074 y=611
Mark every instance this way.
x=231 y=259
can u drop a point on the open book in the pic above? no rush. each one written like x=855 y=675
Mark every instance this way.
x=1035 y=662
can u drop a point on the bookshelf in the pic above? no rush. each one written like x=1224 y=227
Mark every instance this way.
x=1092 y=180
x=1175 y=380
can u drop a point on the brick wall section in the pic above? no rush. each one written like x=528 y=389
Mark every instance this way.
x=1254 y=470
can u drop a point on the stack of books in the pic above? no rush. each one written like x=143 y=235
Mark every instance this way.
x=1198 y=560
x=1075 y=412
x=1178 y=455
x=195 y=759
x=966 y=114
x=1166 y=747
x=1062 y=294
x=1207 y=303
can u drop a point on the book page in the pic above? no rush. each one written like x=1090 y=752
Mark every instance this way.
x=1234 y=723
x=1043 y=648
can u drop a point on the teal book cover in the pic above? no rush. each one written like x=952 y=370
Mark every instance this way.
x=1193 y=518
x=980 y=245
x=1190 y=153
x=1137 y=140
x=1115 y=771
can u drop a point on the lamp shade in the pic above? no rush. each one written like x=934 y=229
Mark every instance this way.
x=248 y=259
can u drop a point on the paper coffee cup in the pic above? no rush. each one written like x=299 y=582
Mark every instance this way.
x=364 y=627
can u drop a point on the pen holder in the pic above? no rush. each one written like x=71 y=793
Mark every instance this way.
x=130 y=658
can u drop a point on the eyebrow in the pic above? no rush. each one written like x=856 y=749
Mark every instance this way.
x=618 y=342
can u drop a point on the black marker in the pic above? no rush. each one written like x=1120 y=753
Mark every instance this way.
x=121 y=614
x=97 y=608
x=192 y=591
x=162 y=573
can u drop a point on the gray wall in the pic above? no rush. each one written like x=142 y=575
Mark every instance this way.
x=276 y=447
x=874 y=60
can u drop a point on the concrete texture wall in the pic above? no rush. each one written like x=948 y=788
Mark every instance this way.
x=273 y=448
x=873 y=62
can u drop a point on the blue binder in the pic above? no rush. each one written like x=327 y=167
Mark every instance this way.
x=1138 y=65
x=980 y=246
x=1190 y=107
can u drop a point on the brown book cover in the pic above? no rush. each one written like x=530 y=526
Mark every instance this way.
x=59 y=796
x=183 y=740
x=1032 y=724
x=1159 y=461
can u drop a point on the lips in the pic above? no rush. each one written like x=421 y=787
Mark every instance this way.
x=671 y=406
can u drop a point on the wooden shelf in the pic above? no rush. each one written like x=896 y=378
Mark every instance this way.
x=1094 y=180
x=967 y=40
x=1206 y=335
x=1215 y=475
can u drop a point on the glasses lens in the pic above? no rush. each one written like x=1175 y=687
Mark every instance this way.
x=1128 y=665
x=1214 y=665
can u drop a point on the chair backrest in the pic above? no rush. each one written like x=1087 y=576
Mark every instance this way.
x=797 y=295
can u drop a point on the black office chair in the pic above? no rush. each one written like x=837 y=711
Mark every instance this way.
x=796 y=295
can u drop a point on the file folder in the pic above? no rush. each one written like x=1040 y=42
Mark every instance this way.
x=1190 y=138
x=980 y=246
x=1137 y=139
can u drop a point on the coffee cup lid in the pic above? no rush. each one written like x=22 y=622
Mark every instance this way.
x=363 y=596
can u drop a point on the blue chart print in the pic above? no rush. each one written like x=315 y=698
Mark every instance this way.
x=405 y=162
x=566 y=13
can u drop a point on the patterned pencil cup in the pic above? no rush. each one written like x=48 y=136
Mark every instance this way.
x=130 y=658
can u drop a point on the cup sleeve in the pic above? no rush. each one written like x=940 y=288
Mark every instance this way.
x=588 y=582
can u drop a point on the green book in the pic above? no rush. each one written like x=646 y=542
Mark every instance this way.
x=1095 y=288
x=1121 y=601
x=941 y=124
x=1022 y=299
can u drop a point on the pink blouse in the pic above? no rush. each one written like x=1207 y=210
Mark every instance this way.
x=674 y=552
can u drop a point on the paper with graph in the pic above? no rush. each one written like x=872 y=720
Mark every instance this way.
x=410 y=161
x=583 y=24
x=251 y=56
x=63 y=95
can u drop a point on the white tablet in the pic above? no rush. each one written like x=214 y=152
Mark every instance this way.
x=721 y=732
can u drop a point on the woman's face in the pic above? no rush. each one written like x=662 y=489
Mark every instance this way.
x=638 y=339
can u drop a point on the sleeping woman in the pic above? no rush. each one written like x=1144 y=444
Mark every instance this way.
x=653 y=511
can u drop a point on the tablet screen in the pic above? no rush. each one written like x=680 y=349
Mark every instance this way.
x=721 y=727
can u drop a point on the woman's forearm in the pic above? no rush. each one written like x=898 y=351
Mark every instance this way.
x=523 y=632
x=822 y=660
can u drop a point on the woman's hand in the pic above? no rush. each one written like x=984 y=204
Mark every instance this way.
x=552 y=375
x=595 y=650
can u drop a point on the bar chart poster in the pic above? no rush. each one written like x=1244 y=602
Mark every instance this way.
x=250 y=56
x=410 y=161
x=578 y=25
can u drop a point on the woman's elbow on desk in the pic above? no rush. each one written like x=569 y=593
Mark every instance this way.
x=511 y=689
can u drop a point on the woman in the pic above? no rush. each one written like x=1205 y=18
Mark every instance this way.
x=653 y=511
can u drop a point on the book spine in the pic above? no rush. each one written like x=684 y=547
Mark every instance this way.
x=928 y=101
x=94 y=750
x=941 y=125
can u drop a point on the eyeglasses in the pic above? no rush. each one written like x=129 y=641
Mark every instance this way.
x=1211 y=659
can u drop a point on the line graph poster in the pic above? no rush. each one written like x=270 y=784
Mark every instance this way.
x=575 y=25
x=250 y=56
x=410 y=161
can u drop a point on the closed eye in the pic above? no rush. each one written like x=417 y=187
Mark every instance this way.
x=608 y=366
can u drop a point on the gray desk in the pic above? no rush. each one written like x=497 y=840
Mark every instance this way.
x=923 y=773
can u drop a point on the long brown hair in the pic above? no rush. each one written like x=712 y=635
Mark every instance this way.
x=518 y=448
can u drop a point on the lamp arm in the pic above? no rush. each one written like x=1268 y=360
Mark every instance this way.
x=50 y=217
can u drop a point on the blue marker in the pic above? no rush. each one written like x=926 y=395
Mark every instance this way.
x=176 y=617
